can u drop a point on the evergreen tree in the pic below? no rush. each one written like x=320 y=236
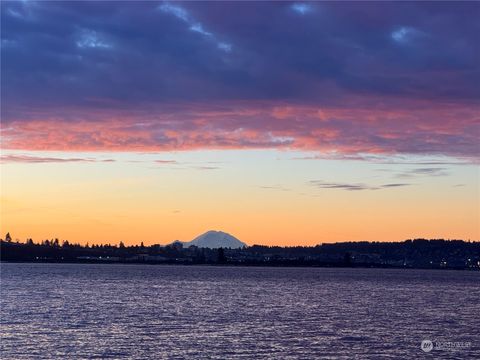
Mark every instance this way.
x=221 y=256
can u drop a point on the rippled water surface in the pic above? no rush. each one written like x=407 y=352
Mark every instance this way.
x=139 y=311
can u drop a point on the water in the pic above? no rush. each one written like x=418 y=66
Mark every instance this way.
x=83 y=311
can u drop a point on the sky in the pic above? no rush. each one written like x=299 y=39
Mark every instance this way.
x=282 y=123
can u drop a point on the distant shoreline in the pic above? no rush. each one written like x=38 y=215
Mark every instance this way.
x=259 y=265
x=414 y=254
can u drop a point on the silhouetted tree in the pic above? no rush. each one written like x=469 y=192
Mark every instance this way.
x=8 y=238
x=221 y=256
x=347 y=259
x=200 y=255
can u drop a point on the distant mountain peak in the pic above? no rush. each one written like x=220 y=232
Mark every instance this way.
x=216 y=239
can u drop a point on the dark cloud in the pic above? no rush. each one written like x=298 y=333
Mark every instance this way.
x=79 y=53
x=408 y=73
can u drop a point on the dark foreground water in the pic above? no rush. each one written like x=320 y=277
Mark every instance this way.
x=78 y=311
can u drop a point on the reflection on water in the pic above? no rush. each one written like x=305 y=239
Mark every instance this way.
x=141 y=311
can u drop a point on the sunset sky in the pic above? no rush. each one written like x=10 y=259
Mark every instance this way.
x=282 y=123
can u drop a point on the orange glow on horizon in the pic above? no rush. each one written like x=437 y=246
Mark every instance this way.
x=162 y=202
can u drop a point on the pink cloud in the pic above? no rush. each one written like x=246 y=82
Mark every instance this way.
x=419 y=128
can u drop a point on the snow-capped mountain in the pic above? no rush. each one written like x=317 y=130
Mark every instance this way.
x=215 y=239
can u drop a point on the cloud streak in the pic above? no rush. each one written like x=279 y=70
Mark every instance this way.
x=40 y=159
x=428 y=171
x=275 y=187
x=320 y=184
x=168 y=162
x=174 y=164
